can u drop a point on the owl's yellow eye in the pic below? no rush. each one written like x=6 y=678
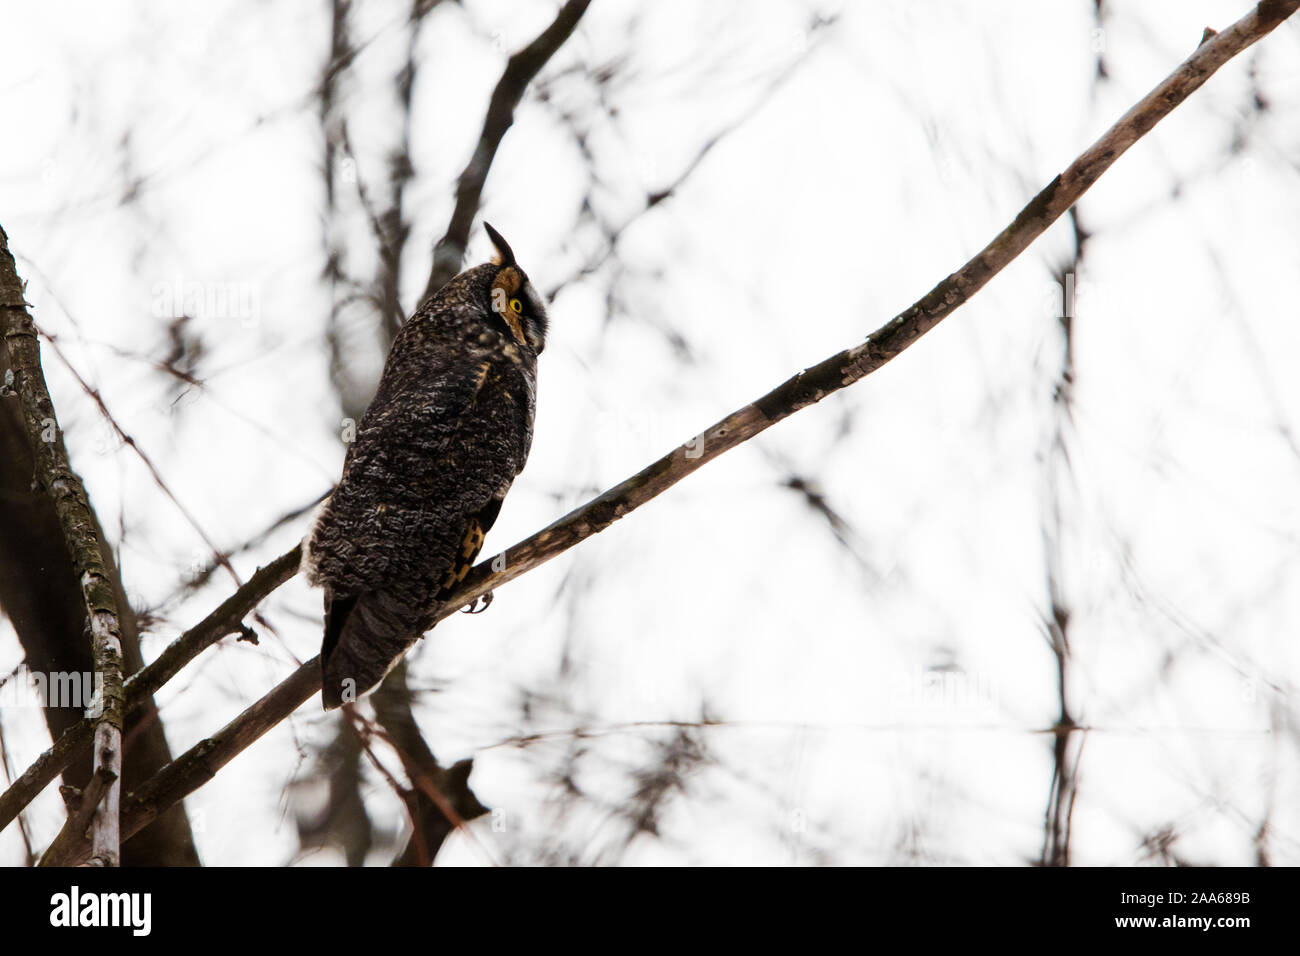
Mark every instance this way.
x=516 y=306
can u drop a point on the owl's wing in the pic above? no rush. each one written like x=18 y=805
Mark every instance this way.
x=422 y=483
x=424 y=462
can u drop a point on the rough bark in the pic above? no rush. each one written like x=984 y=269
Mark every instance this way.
x=41 y=596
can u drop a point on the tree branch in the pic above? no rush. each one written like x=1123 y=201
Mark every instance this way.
x=519 y=72
x=144 y=683
x=192 y=769
x=41 y=595
x=441 y=799
x=79 y=814
x=80 y=532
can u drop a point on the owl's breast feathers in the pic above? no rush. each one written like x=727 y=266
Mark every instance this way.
x=449 y=429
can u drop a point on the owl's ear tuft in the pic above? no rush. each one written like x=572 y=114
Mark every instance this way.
x=505 y=256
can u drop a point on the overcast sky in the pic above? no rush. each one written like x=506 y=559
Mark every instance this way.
x=881 y=683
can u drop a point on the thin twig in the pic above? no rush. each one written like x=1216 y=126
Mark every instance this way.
x=154 y=473
x=422 y=782
x=445 y=801
x=1057 y=619
x=361 y=727
x=4 y=761
x=613 y=235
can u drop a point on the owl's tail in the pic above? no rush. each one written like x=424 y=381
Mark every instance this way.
x=365 y=636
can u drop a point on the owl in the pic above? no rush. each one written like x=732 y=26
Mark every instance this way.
x=447 y=432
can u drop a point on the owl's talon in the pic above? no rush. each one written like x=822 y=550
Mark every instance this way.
x=473 y=608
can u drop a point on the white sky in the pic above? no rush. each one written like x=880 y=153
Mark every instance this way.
x=878 y=707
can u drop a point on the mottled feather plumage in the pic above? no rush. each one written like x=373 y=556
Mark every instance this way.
x=447 y=432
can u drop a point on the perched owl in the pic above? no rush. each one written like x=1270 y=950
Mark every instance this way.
x=436 y=452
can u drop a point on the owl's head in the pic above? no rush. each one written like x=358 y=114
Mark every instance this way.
x=515 y=304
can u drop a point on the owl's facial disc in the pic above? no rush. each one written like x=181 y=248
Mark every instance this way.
x=520 y=307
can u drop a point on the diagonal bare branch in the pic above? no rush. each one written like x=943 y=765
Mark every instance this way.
x=519 y=72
